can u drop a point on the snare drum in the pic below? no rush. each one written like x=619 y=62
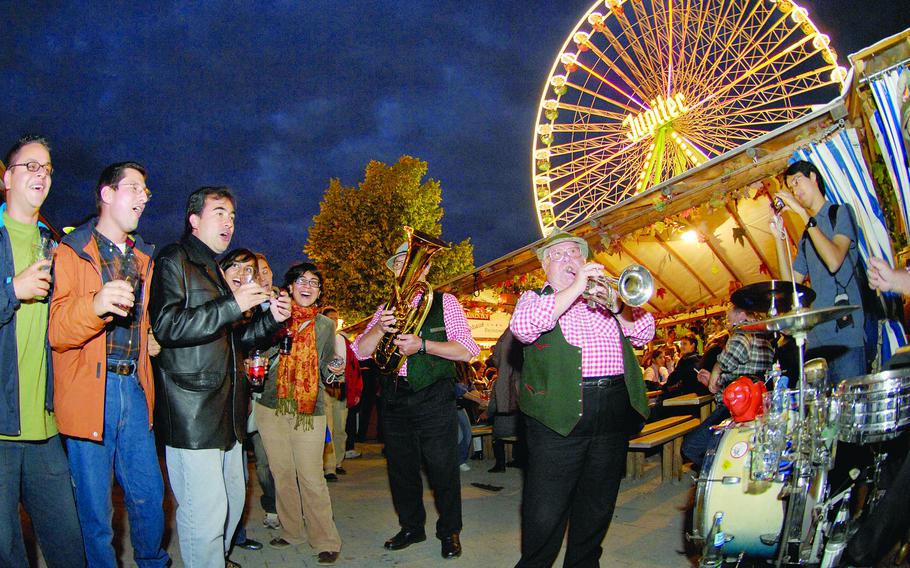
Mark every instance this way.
x=873 y=408
x=753 y=515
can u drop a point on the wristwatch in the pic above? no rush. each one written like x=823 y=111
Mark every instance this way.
x=423 y=346
x=811 y=223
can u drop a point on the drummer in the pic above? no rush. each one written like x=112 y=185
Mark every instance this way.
x=745 y=354
x=828 y=255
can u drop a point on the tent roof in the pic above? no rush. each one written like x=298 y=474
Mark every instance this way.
x=734 y=246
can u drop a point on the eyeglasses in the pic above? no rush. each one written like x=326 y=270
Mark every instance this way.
x=34 y=166
x=557 y=255
x=314 y=283
x=136 y=188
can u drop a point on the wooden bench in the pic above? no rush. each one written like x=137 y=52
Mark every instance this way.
x=703 y=404
x=667 y=434
x=485 y=433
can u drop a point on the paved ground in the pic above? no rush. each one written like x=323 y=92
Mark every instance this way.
x=647 y=530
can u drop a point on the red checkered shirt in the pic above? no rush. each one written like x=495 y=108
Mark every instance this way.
x=594 y=330
x=457 y=328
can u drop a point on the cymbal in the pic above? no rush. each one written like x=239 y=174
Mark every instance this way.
x=800 y=320
x=762 y=296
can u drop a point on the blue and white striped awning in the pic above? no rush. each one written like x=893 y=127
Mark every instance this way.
x=847 y=180
x=886 y=126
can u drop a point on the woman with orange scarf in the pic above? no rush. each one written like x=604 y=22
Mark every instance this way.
x=292 y=421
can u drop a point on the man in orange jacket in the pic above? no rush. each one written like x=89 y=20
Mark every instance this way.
x=104 y=390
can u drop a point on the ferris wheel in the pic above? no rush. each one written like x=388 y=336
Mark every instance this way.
x=643 y=90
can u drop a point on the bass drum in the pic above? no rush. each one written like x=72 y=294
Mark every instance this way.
x=753 y=514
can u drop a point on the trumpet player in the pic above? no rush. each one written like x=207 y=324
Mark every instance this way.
x=418 y=414
x=582 y=395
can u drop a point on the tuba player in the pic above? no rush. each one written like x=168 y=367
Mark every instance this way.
x=418 y=413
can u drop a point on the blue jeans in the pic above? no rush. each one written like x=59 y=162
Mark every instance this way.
x=127 y=450
x=695 y=444
x=574 y=480
x=852 y=363
x=37 y=475
x=464 y=435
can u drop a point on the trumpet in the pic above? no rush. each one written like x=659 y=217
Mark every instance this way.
x=635 y=286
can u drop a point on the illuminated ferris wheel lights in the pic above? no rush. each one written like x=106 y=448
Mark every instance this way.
x=839 y=74
x=799 y=14
x=569 y=58
x=820 y=41
x=724 y=80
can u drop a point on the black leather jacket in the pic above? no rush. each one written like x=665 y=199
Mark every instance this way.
x=202 y=393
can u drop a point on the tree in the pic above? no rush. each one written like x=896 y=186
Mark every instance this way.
x=358 y=228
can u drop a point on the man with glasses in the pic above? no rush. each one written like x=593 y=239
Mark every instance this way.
x=202 y=391
x=418 y=414
x=582 y=395
x=104 y=391
x=33 y=467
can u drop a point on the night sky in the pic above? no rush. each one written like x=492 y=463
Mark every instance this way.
x=274 y=99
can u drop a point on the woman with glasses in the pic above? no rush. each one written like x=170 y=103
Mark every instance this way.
x=292 y=419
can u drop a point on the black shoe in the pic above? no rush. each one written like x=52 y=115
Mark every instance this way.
x=340 y=471
x=451 y=546
x=331 y=477
x=249 y=544
x=498 y=468
x=405 y=538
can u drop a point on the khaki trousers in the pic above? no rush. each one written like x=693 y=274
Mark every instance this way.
x=301 y=494
x=336 y=415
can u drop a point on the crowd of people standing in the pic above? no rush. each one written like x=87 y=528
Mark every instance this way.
x=81 y=403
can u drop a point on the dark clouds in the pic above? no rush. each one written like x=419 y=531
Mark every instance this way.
x=276 y=98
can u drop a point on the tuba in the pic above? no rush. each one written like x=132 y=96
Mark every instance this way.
x=408 y=285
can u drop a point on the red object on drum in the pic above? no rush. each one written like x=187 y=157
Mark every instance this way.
x=743 y=398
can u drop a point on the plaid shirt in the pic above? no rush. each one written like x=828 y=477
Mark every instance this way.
x=594 y=330
x=457 y=328
x=122 y=333
x=745 y=354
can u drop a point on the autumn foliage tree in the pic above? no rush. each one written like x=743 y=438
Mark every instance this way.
x=358 y=228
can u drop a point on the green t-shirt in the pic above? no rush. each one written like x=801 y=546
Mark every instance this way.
x=31 y=330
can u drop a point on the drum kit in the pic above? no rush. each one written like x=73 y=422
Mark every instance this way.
x=769 y=477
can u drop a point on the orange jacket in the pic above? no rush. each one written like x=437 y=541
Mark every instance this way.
x=78 y=338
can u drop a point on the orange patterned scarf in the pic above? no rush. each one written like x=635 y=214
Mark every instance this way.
x=298 y=372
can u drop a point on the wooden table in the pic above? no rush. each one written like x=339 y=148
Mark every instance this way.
x=704 y=403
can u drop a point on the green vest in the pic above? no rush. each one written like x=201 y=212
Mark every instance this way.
x=425 y=369
x=551 y=382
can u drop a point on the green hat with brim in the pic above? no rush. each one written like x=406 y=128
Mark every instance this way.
x=557 y=237
x=401 y=250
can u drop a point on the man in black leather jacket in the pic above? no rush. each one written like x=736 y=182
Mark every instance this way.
x=200 y=384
